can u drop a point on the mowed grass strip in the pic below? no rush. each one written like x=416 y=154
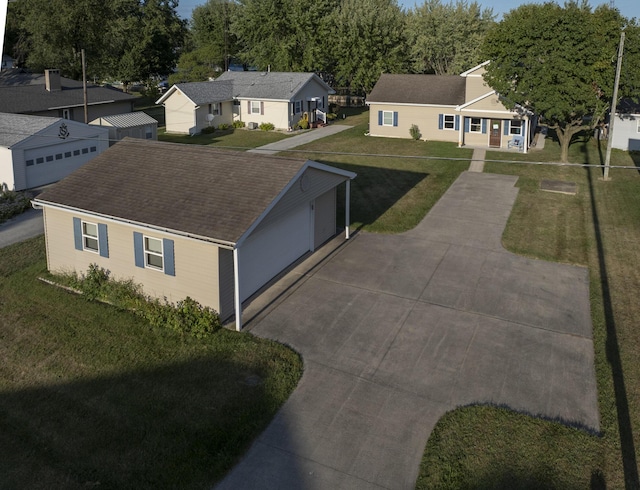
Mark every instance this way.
x=489 y=447
x=398 y=180
x=91 y=396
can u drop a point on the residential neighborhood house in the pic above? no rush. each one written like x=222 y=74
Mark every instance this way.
x=50 y=94
x=279 y=98
x=626 y=127
x=36 y=150
x=133 y=124
x=190 y=220
x=457 y=108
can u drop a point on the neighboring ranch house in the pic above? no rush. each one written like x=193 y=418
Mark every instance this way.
x=190 y=220
x=280 y=98
x=52 y=95
x=36 y=150
x=459 y=108
x=626 y=127
x=132 y=125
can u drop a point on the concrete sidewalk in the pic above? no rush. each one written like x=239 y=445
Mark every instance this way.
x=24 y=226
x=396 y=330
x=299 y=140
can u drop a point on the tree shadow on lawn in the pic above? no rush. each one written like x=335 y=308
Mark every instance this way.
x=374 y=191
x=612 y=347
x=159 y=428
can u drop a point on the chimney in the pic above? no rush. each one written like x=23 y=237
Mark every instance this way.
x=52 y=80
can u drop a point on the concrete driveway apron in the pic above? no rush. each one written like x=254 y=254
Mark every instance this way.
x=395 y=330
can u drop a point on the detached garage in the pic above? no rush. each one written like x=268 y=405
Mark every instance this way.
x=37 y=150
x=187 y=220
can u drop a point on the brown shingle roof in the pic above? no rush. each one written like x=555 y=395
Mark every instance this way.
x=419 y=89
x=188 y=188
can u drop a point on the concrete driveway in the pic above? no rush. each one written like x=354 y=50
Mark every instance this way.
x=395 y=330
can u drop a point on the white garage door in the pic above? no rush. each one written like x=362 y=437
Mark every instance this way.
x=49 y=164
x=270 y=250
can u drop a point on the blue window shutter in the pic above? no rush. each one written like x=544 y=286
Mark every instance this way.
x=103 y=241
x=261 y=108
x=77 y=233
x=457 y=123
x=506 y=127
x=379 y=118
x=169 y=262
x=395 y=118
x=484 y=126
x=440 y=121
x=467 y=123
x=138 y=249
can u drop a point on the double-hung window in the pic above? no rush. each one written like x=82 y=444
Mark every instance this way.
x=153 y=253
x=297 y=107
x=255 y=107
x=449 y=121
x=387 y=118
x=214 y=109
x=90 y=237
x=515 y=127
x=475 y=125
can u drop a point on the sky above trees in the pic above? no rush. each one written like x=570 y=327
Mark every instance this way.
x=628 y=8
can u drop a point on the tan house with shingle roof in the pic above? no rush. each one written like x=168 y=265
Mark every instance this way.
x=187 y=220
x=462 y=109
x=279 y=98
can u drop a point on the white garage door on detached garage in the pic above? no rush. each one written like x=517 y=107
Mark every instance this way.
x=37 y=150
x=269 y=250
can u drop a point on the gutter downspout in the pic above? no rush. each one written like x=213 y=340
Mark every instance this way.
x=347 y=201
x=236 y=288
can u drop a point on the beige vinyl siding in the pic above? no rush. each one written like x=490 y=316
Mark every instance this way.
x=179 y=113
x=276 y=112
x=7 y=157
x=477 y=139
x=425 y=117
x=317 y=182
x=491 y=103
x=196 y=262
x=476 y=86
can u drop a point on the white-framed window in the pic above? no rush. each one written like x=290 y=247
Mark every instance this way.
x=475 y=125
x=90 y=240
x=153 y=253
x=387 y=118
x=449 y=121
x=214 y=109
x=255 y=107
x=515 y=127
x=297 y=107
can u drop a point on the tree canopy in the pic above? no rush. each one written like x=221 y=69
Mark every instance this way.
x=125 y=39
x=445 y=39
x=558 y=62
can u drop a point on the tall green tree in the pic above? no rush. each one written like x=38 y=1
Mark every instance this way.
x=287 y=35
x=57 y=31
x=127 y=39
x=445 y=38
x=369 y=40
x=144 y=39
x=558 y=62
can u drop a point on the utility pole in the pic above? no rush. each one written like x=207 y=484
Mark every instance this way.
x=612 y=115
x=84 y=89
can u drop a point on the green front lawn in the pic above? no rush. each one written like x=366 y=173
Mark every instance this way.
x=486 y=447
x=91 y=396
x=233 y=139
